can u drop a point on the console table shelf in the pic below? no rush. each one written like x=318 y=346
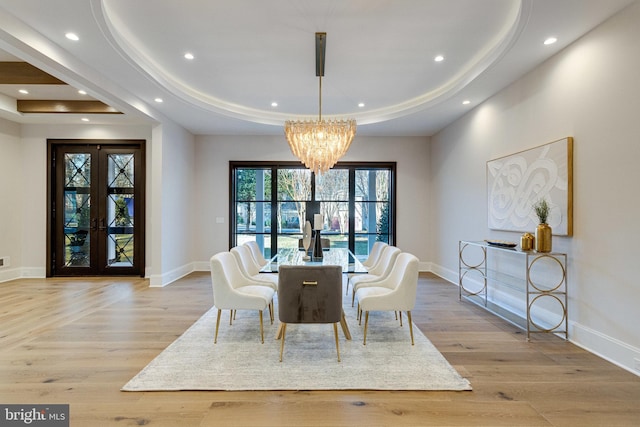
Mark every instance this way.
x=543 y=282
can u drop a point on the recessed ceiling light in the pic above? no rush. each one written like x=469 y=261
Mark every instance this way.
x=82 y=92
x=84 y=119
x=439 y=58
x=466 y=102
x=24 y=91
x=274 y=104
x=550 y=40
x=159 y=100
x=72 y=36
x=189 y=55
x=361 y=104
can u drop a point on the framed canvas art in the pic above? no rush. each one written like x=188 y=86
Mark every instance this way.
x=517 y=181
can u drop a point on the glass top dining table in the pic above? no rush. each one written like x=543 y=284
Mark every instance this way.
x=334 y=256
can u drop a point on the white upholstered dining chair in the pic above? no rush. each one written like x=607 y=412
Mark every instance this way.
x=257 y=253
x=371 y=261
x=397 y=292
x=250 y=268
x=379 y=272
x=374 y=255
x=231 y=290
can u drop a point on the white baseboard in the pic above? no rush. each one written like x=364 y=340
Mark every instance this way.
x=608 y=348
x=161 y=280
x=22 y=273
x=615 y=351
x=446 y=274
x=201 y=266
x=7 y=274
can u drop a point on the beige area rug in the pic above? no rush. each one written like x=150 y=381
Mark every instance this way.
x=240 y=362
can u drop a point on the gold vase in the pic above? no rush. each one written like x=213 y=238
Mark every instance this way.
x=543 y=238
x=526 y=242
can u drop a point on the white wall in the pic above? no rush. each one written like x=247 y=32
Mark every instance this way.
x=172 y=207
x=213 y=154
x=170 y=203
x=26 y=152
x=590 y=91
x=11 y=199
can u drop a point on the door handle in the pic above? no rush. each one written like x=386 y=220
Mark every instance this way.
x=103 y=225
x=94 y=224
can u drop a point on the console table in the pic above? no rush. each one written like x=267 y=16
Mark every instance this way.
x=542 y=278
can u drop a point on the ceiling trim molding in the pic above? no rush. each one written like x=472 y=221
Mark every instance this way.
x=26 y=43
x=115 y=32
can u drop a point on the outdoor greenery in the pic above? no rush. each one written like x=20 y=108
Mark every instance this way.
x=254 y=204
x=383 y=223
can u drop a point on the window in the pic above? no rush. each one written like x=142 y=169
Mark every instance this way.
x=271 y=202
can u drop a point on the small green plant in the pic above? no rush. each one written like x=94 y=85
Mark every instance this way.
x=542 y=209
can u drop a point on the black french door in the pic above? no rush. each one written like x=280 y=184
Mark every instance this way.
x=96 y=217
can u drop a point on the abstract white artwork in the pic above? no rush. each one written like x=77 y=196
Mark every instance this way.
x=517 y=181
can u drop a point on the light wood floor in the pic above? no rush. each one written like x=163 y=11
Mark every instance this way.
x=77 y=341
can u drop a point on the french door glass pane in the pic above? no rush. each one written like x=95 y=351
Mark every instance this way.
x=336 y=223
x=333 y=185
x=291 y=217
x=373 y=226
x=373 y=185
x=120 y=170
x=294 y=190
x=253 y=184
x=77 y=207
x=120 y=213
x=372 y=217
x=294 y=184
x=247 y=214
x=253 y=207
x=372 y=208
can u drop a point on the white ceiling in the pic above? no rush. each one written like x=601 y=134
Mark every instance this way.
x=251 y=53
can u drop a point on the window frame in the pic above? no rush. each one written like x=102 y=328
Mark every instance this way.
x=391 y=167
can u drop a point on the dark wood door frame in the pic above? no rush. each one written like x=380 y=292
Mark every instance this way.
x=52 y=144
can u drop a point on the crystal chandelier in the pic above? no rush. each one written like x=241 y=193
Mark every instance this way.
x=319 y=144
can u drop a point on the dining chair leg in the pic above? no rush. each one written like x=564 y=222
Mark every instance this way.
x=345 y=326
x=366 y=322
x=215 y=339
x=261 y=328
x=400 y=318
x=283 y=331
x=271 y=311
x=335 y=332
x=410 y=326
x=353 y=297
x=231 y=314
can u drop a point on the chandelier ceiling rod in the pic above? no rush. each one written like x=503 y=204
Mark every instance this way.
x=321 y=47
x=319 y=144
